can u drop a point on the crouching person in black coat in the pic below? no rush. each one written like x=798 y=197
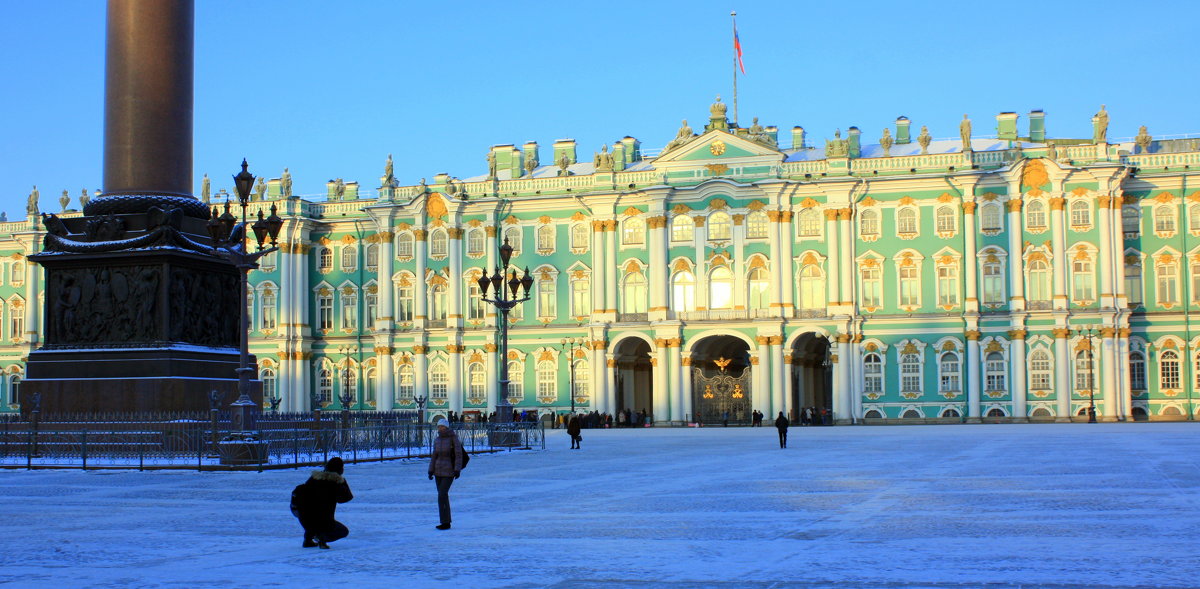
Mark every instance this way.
x=315 y=501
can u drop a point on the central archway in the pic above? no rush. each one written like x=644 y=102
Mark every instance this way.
x=634 y=384
x=812 y=377
x=721 y=380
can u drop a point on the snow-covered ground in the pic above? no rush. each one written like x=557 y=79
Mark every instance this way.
x=945 y=506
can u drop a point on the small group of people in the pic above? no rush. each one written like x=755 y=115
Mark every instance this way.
x=756 y=418
x=315 y=501
x=627 y=418
x=814 y=416
x=591 y=420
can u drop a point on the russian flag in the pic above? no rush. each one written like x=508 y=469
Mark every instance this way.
x=737 y=48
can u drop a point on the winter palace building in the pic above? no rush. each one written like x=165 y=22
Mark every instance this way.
x=1012 y=277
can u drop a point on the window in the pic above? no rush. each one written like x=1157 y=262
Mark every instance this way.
x=580 y=371
x=18 y=273
x=476 y=382
x=405 y=391
x=906 y=221
x=325 y=386
x=1131 y=220
x=369 y=381
x=404 y=301
x=349 y=309
x=947 y=285
x=1035 y=214
x=812 y=287
x=683 y=291
x=810 y=223
x=267 y=318
x=1133 y=283
x=720 y=288
x=1194 y=218
x=581 y=297
x=16 y=325
x=756 y=225
x=1039 y=281
x=945 y=220
x=350 y=383
x=993 y=283
x=545 y=238
x=1195 y=269
x=372 y=301
x=1084 y=370
x=349 y=258
x=951 y=376
x=1167 y=283
x=719 y=226
x=1040 y=370
x=547 y=298
x=325 y=311
x=758 y=289
x=1164 y=219
x=869 y=222
x=682 y=228
x=633 y=231
x=872 y=286
x=438 y=382
x=994 y=372
x=512 y=236
x=1081 y=214
x=476 y=308
x=439 y=243
x=1082 y=283
x=373 y=257
x=547 y=381
x=990 y=217
x=516 y=382
x=325 y=259
x=14 y=389
x=910 y=287
x=267 y=262
x=437 y=302
x=404 y=245
x=872 y=373
x=475 y=242
x=633 y=293
x=1169 y=370
x=1137 y=371
x=580 y=236
x=910 y=373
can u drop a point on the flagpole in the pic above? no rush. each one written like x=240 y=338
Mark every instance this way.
x=733 y=17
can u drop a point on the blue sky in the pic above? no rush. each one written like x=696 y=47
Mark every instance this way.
x=330 y=88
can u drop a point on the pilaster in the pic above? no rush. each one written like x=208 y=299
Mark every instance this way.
x=1019 y=375
x=1062 y=375
x=973 y=385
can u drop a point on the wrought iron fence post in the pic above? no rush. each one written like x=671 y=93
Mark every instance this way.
x=83 y=442
x=141 y=458
x=35 y=417
x=214 y=399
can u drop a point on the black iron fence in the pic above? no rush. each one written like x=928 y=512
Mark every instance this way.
x=206 y=441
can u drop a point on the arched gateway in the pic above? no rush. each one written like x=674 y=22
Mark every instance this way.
x=721 y=375
x=633 y=379
x=812 y=378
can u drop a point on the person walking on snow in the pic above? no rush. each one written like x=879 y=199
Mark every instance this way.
x=573 y=431
x=445 y=465
x=315 y=501
x=781 y=424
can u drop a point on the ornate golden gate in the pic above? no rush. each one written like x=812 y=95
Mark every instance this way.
x=722 y=393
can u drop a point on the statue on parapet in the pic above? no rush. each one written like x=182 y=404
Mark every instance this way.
x=206 y=189
x=718 y=108
x=491 y=162
x=964 y=131
x=924 y=139
x=603 y=160
x=285 y=184
x=684 y=135
x=886 y=142
x=31 y=206
x=563 y=163
x=65 y=200
x=84 y=199
x=260 y=189
x=1100 y=126
x=1143 y=139
x=1051 y=151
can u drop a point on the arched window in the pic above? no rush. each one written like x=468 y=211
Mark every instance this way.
x=719 y=226
x=910 y=373
x=633 y=231
x=1035 y=214
x=993 y=283
x=990 y=217
x=407 y=386
x=580 y=236
x=1133 y=282
x=1040 y=370
x=1081 y=214
x=267 y=318
x=945 y=219
x=325 y=386
x=475 y=242
x=439 y=243
x=720 y=288
x=325 y=259
x=547 y=297
x=267 y=376
x=372 y=301
x=581 y=297
x=951 y=377
x=476 y=308
x=1084 y=370
x=812 y=287
x=757 y=286
x=476 y=382
x=810 y=223
x=868 y=222
x=512 y=236
x=545 y=238
x=547 y=381
x=369 y=381
x=404 y=245
x=1137 y=371
x=1083 y=282
x=633 y=293
x=437 y=302
x=349 y=258
x=994 y=372
x=580 y=371
x=756 y=225
x=372 y=257
x=1169 y=371
x=950 y=412
x=906 y=220
x=1039 y=281
x=438 y=381
x=14 y=389
x=404 y=299
x=516 y=381
x=1167 y=283
x=325 y=311
x=683 y=291
x=1131 y=219
x=682 y=228
x=872 y=373
x=1164 y=219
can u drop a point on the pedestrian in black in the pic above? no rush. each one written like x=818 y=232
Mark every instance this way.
x=573 y=428
x=445 y=465
x=781 y=424
x=725 y=418
x=315 y=501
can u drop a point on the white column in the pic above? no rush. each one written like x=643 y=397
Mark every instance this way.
x=738 y=265
x=832 y=283
x=610 y=266
x=662 y=396
x=787 y=269
x=778 y=386
x=856 y=379
x=659 y=270
x=1015 y=259
x=677 y=414
x=491 y=316
x=1062 y=375
x=1018 y=372
x=1058 y=240
x=597 y=384
x=454 y=294
x=969 y=253
x=385 y=392
x=842 y=395
x=761 y=397
x=1108 y=288
x=421 y=372
x=700 y=237
x=686 y=368
x=789 y=385
x=493 y=376
x=974 y=386
x=1125 y=394
x=33 y=285
x=420 y=289
x=839 y=383
x=778 y=261
x=610 y=383
x=455 y=380
x=1108 y=381
x=845 y=269
x=599 y=274
x=385 y=314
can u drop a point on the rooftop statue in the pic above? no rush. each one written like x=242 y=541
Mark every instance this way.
x=886 y=142
x=387 y=168
x=683 y=136
x=339 y=189
x=206 y=189
x=260 y=189
x=491 y=161
x=65 y=200
x=531 y=163
x=923 y=140
x=84 y=199
x=718 y=108
x=964 y=131
x=603 y=160
x=837 y=147
x=31 y=207
x=1051 y=151
x=1143 y=139
x=1100 y=126
x=563 y=163
x=285 y=184
x=757 y=133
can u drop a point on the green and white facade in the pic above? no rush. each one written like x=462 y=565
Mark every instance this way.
x=917 y=281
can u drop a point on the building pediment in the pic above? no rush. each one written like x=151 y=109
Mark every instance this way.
x=717 y=146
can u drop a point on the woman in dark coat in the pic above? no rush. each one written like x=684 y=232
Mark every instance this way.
x=573 y=431
x=445 y=465
x=315 y=501
x=781 y=424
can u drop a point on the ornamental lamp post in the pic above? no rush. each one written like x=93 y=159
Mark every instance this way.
x=229 y=240
x=504 y=303
x=570 y=345
x=1088 y=332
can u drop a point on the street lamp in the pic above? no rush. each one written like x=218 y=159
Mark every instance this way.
x=570 y=345
x=1089 y=331
x=504 y=302
x=346 y=398
x=420 y=400
x=229 y=241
